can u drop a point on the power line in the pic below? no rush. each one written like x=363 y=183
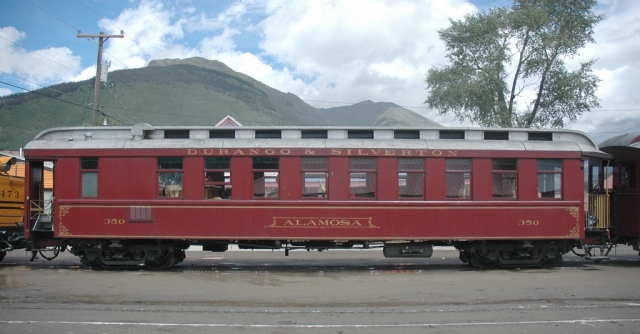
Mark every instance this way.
x=424 y=107
x=90 y=41
x=101 y=39
x=599 y=110
x=116 y=98
x=76 y=29
x=61 y=100
x=53 y=61
x=113 y=24
x=128 y=109
x=33 y=82
x=55 y=98
x=61 y=20
x=622 y=130
x=188 y=116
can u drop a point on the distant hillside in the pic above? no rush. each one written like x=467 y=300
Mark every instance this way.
x=375 y=114
x=193 y=91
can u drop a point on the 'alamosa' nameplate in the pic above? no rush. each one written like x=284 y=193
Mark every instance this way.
x=321 y=222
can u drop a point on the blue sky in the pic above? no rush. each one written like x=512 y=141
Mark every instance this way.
x=329 y=52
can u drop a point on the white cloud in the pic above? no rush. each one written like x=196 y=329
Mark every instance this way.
x=221 y=43
x=223 y=20
x=346 y=53
x=39 y=67
x=156 y=31
x=86 y=73
x=618 y=66
x=5 y=91
x=150 y=30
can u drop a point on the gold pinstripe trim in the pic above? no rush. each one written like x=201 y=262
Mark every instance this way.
x=62 y=230
x=571 y=209
x=573 y=233
x=342 y=237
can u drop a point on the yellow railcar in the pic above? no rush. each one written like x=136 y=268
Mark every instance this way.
x=11 y=208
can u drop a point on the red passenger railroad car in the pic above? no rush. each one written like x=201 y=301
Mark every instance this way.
x=614 y=217
x=141 y=195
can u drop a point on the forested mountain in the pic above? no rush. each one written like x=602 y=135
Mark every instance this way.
x=193 y=91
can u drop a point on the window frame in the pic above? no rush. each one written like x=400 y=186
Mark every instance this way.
x=254 y=172
x=628 y=181
x=304 y=171
x=556 y=174
x=369 y=174
x=502 y=172
x=466 y=175
x=224 y=186
x=407 y=171
x=89 y=170
x=170 y=169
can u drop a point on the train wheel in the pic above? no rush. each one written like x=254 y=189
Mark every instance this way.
x=2 y=255
x=472 y=261
x=167 y=261
x=180 y=255
x=91 y=264
x=550 y=263
x=464 y=256
x=481 y=262
x=171 y=261
x=85 y=262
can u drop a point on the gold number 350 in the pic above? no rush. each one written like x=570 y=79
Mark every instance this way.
x=113 y=221
x=528 y=222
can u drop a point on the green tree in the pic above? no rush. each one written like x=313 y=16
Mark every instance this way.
x=507 y=65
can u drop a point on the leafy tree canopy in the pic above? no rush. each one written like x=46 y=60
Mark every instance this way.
x=507 y=65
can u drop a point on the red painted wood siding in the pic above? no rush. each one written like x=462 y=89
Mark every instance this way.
x=301 y=220
x=125 y=178
x=436 y=189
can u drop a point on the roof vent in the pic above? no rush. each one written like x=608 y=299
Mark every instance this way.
x=452 y=134
x=268 y=134
x=88 y=136
x=542 y=136
x=496 y=135
x=406 y=134
x=176 y=134
x=313 y=134
x=360 y=134
x=138 y=130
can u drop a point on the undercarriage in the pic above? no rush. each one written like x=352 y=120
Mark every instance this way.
x=512 y=254
x=164 y=254
x=11 y=239
x=129 y=253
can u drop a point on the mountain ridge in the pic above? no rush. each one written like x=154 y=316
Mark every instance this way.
x=191 y=91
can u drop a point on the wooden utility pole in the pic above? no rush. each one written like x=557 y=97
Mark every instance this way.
x=96 y=87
